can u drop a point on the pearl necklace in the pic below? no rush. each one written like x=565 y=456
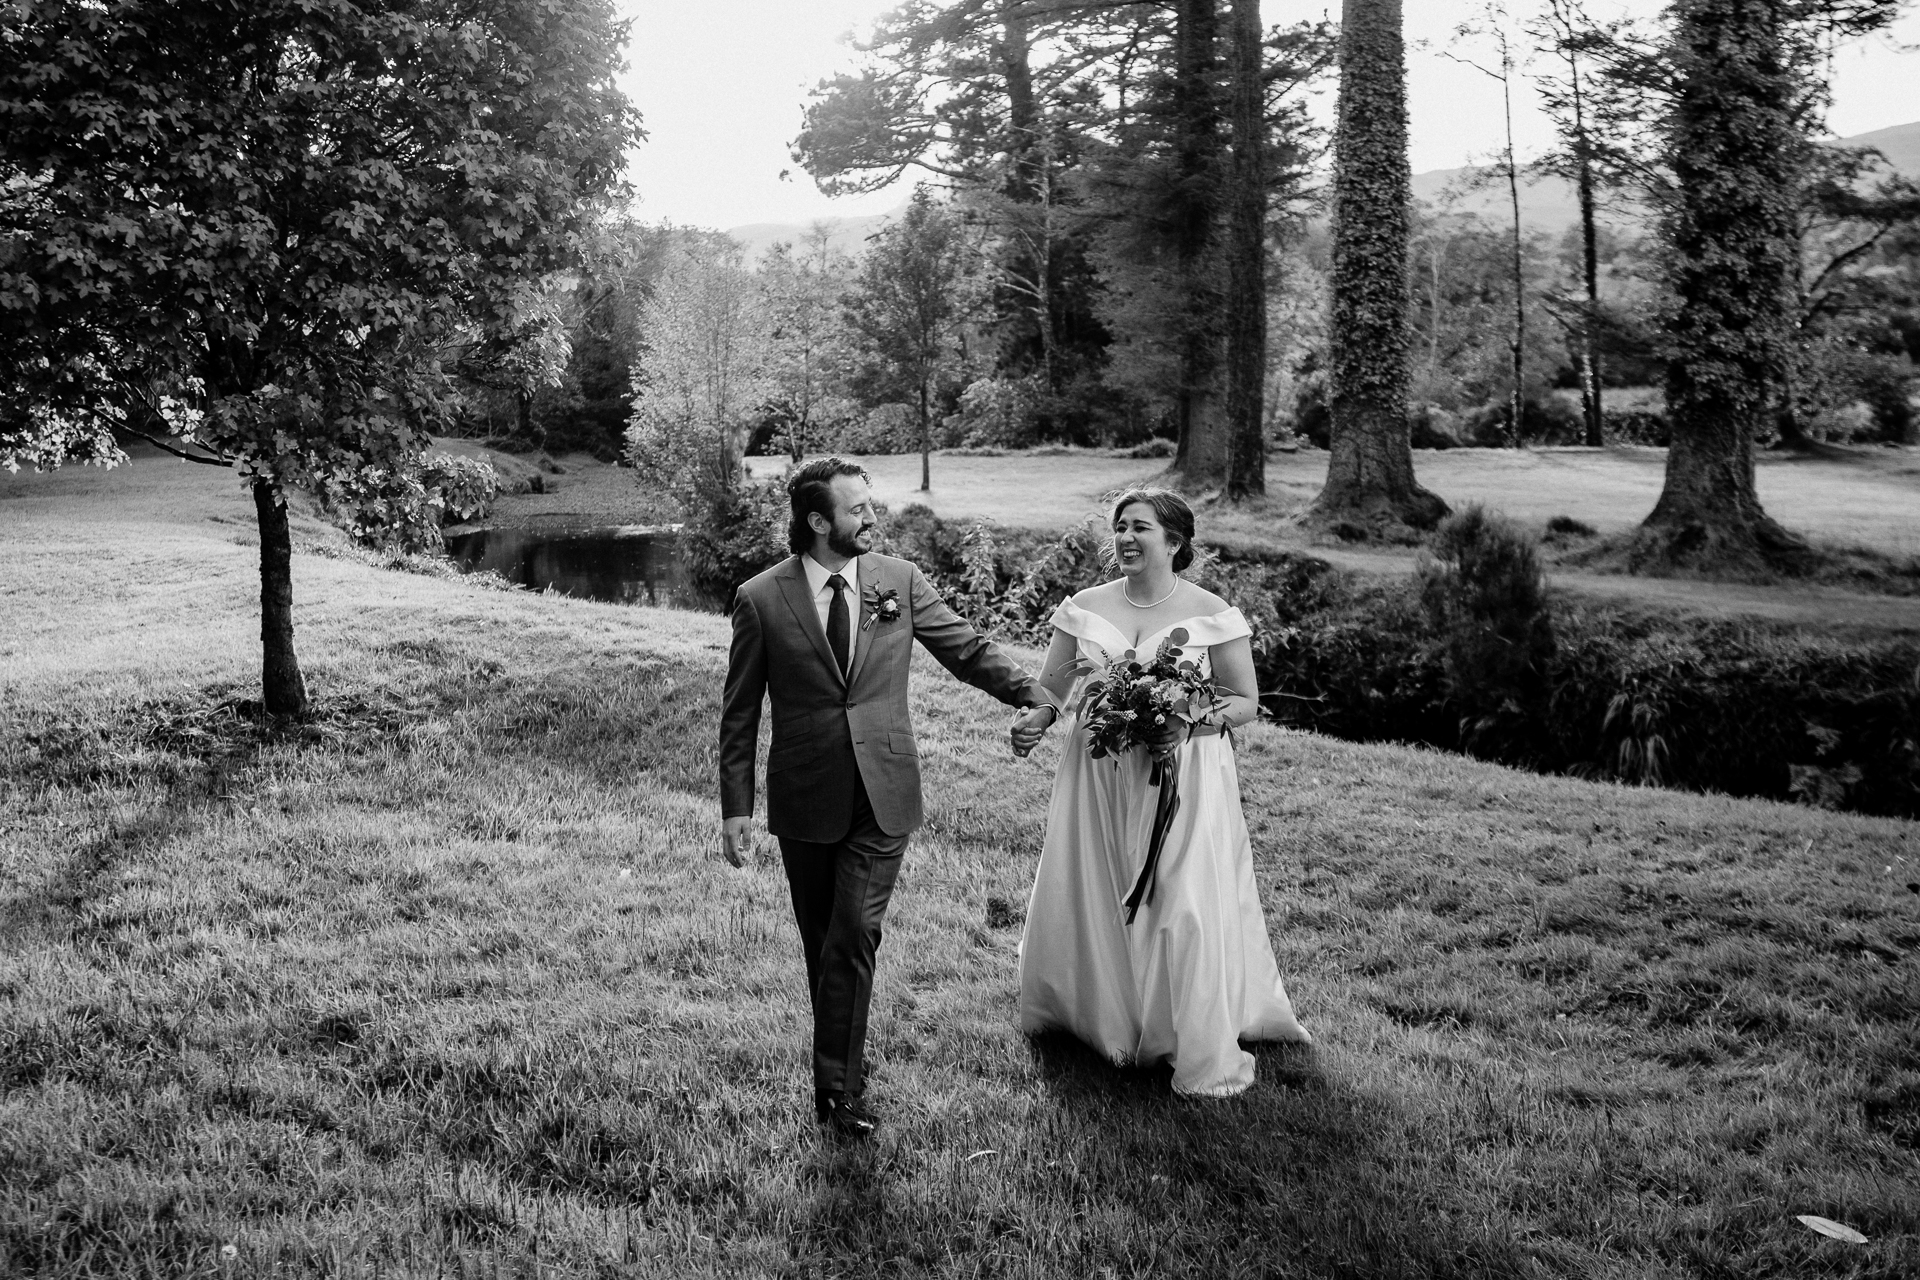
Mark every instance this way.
x=1157 y=603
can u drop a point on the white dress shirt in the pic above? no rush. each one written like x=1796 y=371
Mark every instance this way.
x=817 y=575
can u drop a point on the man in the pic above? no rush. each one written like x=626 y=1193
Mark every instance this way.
x=827 y=636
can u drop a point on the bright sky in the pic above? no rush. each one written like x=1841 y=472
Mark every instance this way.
x=722 y=82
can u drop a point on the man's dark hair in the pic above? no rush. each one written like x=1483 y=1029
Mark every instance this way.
x=811 y=490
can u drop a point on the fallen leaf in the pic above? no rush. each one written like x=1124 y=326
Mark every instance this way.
x=1828 y=1227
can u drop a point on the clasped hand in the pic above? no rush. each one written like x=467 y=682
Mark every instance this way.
x=1029 y=726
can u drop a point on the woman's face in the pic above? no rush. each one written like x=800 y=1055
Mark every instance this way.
x=1140 y=542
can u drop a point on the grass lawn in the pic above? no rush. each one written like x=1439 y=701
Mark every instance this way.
x=1867 y=497
x=454 y=981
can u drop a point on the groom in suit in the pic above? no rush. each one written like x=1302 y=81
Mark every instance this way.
x=826 y=636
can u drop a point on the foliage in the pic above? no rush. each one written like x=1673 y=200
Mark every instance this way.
x=262 y=230
x=703 y=372
x=1484 y=593
x=270 y=215
x=1700 y=705
x=808 y=355
x=735 y=534
x=906 y=312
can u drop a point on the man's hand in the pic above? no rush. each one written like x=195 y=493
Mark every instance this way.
x=1029 y=725
x=736 y=840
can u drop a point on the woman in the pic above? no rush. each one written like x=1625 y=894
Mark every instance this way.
x=1193 y=974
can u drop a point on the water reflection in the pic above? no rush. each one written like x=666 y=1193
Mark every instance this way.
x=626 y=564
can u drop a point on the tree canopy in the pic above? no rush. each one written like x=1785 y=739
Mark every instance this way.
x=259 y=232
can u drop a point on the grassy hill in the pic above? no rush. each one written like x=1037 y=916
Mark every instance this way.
x=453 y=980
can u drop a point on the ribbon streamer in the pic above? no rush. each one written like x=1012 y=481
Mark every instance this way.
x=1166 y=777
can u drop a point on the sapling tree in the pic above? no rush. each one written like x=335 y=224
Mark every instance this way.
x=909 y=306
x=253 y=232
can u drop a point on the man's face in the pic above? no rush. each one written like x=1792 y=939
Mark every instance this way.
x=853 y=518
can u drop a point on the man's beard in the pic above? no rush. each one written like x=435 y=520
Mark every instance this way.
x=844 y=544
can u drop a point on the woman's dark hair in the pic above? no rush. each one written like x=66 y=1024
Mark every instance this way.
x=1173 y=513
x=811 y=490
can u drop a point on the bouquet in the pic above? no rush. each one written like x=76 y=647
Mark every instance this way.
x=1123 y=704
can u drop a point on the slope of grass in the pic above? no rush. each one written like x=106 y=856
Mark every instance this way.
x=453 y=981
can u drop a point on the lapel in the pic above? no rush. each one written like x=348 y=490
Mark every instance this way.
x=793 y=585
x=870 y=582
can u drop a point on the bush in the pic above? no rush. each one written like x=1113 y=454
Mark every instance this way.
x=995 y=413
x=1435 y=428
x=731 y=535
x=1485 y=597
x=1553 y=420
x=1640 y=425
x=1695 y=704
x=891 y=428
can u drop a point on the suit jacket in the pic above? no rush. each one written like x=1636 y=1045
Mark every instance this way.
x=829 y=730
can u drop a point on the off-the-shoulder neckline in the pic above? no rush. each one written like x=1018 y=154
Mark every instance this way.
x=1141 y=643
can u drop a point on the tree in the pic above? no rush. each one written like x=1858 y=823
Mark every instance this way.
x=909 y=305
x=1370 y=483
x=1492 y=25
x=249 y=232
x=1852 y=203
x=1737 y=145
x=705 y=369
x=808 y=347
x=1577 y=42
x=1246 y=302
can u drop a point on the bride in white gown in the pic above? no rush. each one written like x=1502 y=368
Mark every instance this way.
x=1193 y=974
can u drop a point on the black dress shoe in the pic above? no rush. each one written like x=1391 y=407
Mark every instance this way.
x=843 y=1115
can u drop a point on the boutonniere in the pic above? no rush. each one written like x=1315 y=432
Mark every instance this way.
x=882 y=606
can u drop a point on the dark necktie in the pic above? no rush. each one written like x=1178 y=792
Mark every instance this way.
x=837 y=625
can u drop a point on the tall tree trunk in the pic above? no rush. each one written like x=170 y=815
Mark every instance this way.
x=1516 y=403
x=1735 y=149
x=1201 y=456
x=282 y=691
x=1370 y=485
x=1247 y=262
x=1592 y=408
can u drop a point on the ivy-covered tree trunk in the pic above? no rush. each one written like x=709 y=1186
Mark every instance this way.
x=1735 y=149
x=283 y=692
x=1201 y=457
x=1247 y=262
x=1370 y=484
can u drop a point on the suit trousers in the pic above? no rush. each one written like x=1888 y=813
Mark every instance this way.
x=840 y=892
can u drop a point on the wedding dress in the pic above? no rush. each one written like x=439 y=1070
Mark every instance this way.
x=1194 y=974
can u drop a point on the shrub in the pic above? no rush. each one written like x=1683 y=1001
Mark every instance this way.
x=733 y=534
x=1484 y=595
x=891 y=428
x=1645 y=425
x=996 y=413
x=459 y=488
x=1695 y=704
x=1435 y=428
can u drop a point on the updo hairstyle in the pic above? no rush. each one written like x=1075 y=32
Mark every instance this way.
x=1173 y=513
